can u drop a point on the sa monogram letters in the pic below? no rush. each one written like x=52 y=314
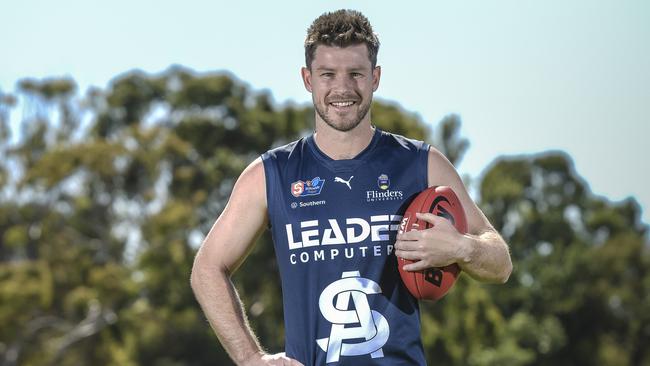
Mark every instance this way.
x=373 y=327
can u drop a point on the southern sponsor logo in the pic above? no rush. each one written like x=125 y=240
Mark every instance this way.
x=307 y=188
x=307 y=204
x=356 y=330
x=384 y=194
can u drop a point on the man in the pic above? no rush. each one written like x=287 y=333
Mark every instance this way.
x=332 y=201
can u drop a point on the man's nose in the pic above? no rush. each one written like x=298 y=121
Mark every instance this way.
x=344 y=82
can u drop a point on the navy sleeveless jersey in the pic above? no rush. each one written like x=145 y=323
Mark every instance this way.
x=334 y=224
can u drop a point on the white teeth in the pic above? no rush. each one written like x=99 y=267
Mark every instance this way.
x=342 y=104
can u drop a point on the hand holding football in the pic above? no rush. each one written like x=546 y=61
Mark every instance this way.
x=428 y=242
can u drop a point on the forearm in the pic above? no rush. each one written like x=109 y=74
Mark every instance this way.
x=223 y=308
x=485 y=257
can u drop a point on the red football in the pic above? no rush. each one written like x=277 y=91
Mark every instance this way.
x=433 y=283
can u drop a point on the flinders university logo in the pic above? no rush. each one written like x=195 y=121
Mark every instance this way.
x=383 y=194
x=362 y=322
x=383 y=182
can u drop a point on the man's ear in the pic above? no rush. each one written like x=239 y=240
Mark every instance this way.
x=306 y=78
x=376 y=75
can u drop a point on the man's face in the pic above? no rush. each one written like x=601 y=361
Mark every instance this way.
x=341 y=81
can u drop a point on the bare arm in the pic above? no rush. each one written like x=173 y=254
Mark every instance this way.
x=481 y=252
x=222 y=251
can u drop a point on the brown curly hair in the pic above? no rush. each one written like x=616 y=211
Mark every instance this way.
x=341 y=28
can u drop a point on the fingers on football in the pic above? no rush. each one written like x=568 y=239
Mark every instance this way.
x=408 y=245
x=406 y=254
x=434 y=220
x=427 y=216
x=410 y=235
x=414 y=267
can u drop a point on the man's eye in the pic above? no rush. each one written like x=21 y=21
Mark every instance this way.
x=356 y=75
x=327 y=74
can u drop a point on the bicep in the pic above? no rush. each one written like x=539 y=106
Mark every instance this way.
x=442 y=173
x=242 y=220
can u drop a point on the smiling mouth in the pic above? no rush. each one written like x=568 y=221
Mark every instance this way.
x=343 y=104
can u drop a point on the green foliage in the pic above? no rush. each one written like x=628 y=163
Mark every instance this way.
x=581 y=262
x=100 y=221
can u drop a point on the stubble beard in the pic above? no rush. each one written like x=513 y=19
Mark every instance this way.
x=344 y=125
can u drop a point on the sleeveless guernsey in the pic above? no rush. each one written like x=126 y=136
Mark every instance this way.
x=334 y=224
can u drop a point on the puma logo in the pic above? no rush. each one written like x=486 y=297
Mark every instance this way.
x=341 y=180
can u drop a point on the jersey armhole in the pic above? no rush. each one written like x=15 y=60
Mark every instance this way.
x=270 y=181
x=424 y=161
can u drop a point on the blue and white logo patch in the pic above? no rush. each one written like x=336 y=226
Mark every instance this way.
x=383 y=182
x=309 y=188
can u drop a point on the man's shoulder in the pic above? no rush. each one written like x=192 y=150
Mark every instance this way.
x=283 y=151
x=399 y=141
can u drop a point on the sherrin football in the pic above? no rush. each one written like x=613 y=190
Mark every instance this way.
x=433 y=283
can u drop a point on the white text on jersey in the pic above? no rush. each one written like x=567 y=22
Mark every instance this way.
x=357 y=230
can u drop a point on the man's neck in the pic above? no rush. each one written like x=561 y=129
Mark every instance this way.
x=343 y=145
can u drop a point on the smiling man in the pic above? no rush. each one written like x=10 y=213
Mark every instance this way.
x=342 y=106
x=332 y=201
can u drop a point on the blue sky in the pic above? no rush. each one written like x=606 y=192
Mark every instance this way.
x=525 y=76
